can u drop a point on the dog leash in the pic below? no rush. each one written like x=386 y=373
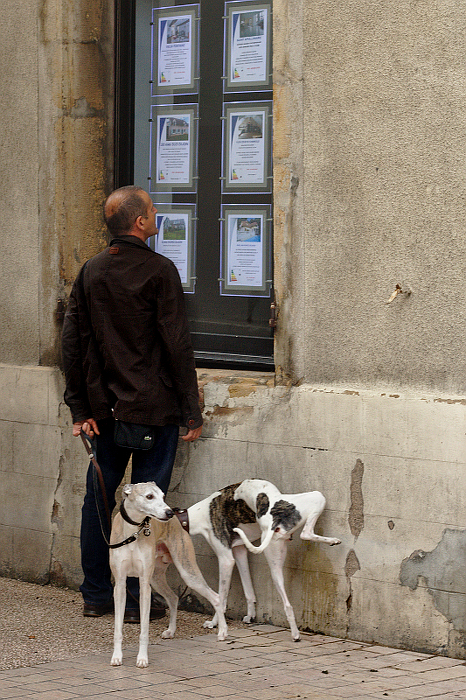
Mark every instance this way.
x=90 y=449
x=144 y=526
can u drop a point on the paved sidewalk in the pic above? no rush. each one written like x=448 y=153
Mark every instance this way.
x=260 y=662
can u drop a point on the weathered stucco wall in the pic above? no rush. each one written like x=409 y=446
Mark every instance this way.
x=19 y=164
x=55 y=162
x=381 y=192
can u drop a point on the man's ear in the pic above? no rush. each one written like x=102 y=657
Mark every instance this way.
x=139 y=223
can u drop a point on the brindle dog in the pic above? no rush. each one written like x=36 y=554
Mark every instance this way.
x=232 y=518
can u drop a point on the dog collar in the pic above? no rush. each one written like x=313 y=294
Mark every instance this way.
x=145 y=523
x=144 y=526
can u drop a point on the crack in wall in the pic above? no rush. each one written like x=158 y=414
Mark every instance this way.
x=56 y=574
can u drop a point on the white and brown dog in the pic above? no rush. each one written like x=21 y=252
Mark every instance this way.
x=147 y=556
x=232 y=518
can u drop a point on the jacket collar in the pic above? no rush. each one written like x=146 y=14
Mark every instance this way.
x=132 y=240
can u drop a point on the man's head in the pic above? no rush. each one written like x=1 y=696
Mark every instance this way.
x=130 y=211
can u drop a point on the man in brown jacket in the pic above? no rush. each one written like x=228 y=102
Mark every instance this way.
x=127 y=355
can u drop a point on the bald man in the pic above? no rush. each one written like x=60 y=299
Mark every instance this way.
x=127 y=355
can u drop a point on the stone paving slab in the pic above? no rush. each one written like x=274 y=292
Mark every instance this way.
x=257 y=663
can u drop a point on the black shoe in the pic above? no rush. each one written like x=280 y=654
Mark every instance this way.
x=92 y=610
x=132 y=614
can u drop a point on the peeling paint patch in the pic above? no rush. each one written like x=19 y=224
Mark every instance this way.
x=444 y=572
x=55 y=512
x=240 y=390
x=227 y=411
x=356 y=511
x=81 y=109
x=351 y=566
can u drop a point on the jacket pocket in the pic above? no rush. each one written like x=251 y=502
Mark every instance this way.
x=166 y=379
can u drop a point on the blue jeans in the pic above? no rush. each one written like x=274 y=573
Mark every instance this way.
x=155 y=464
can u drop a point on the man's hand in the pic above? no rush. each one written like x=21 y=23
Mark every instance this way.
x=192 y=435
x=89 y=426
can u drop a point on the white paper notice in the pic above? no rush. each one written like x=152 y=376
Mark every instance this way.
x=245 y=251
x=247 y=152
x=172 y=241
x=175 y=51
x=249 y=46
x=173 y=149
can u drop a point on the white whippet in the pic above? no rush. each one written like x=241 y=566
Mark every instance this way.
x=147 y=556
x=229 y=519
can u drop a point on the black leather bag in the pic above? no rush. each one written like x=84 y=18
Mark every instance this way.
x=134 y=436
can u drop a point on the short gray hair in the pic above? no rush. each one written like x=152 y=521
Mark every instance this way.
x=129 y=207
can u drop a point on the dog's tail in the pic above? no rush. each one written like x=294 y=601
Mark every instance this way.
x=248 y=543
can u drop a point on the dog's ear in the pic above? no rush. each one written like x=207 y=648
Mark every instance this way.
x=127 y=488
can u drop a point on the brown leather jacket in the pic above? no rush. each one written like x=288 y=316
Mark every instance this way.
x=126 y=343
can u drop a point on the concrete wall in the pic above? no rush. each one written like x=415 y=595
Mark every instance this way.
x=390 y=466
x=367 y=402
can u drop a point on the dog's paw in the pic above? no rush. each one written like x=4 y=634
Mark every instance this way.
x=249 y=619
x=335 y=541
x=222 y=635
x=167 y=634
x=209 y=625
x=142 y=661
x=116 y=661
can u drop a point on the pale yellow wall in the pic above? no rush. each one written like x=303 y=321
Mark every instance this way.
x=56 y=92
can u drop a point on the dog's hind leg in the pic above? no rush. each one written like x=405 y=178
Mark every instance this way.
x=240 y=554
x=276 y=554
x=226 y=564
x=182 y=552
x=308 y=533
x=119 y=597
x=159 y=582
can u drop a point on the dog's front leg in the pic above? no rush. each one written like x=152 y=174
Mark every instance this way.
x=142 y=660
x=276 y=554
x=119 y=597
